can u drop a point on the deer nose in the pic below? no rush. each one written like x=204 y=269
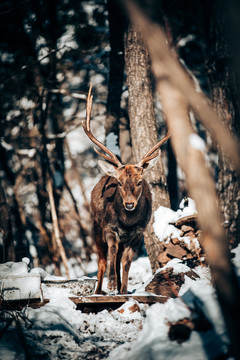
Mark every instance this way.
x=129 y=206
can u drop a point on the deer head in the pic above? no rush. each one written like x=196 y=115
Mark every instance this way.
x=129 y=177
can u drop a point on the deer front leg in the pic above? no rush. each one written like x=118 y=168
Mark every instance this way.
x=112 y=259
x=127 y=257
x=102 y=257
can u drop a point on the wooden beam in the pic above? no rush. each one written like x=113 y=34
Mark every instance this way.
x=106 y=299
x=91 y=303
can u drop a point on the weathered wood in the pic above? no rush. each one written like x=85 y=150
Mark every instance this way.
x=106 y=299
x=190 y=220
x=92 y=303
x=96 y=303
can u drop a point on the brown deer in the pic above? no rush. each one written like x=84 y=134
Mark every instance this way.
x=121 y=204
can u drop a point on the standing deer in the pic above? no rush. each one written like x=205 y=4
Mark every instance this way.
x=121 y=204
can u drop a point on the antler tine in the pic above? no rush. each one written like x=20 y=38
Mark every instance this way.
x=149 y=155
x=86 y=126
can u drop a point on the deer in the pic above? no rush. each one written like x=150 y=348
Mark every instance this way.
x=121 y=205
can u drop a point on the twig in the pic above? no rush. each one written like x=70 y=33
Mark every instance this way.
x=66 y=92
x=25 y=67
x=14 y=8
x=56 y=226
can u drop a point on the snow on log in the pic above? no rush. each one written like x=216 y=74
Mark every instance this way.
x=20 y=287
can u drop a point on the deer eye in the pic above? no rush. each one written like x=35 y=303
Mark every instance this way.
x=119 y=184
x=139 y=183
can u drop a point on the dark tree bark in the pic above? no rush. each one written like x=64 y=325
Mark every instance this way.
x=55 y=107
x=12 y=227
x=116 y=120
x=7 y=248
x=116 y=66
x=143 y=127
x=223 y=78
x=172 y=178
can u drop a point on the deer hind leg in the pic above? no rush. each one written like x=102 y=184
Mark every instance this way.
x=118 y=263
x=102 y=257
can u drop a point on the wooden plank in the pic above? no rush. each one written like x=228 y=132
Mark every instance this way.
x=106 y=299
x=90 y=303
x=96 y=303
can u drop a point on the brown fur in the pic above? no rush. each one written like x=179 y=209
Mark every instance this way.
x=119 y=232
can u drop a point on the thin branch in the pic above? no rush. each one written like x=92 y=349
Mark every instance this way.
x=14 y=8
x=56 y=226
x=25 y=67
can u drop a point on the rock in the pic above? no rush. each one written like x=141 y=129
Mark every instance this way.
x=168 y=284
x=163 y=258
x=192 y=274
x=181 y=330
x=134 y=308
x=186 y=228
x=175 y=241
x=175 y=251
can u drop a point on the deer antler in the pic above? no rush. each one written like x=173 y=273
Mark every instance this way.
x=86 y=126
x=148 y=156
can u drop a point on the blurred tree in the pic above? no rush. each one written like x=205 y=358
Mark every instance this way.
x=224 y=75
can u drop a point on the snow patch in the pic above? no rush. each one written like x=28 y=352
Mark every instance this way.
x=197 y=143
x=163 y=217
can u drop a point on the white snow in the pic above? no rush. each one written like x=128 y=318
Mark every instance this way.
x=13 y=268
x=134 y=331
x=163 y=217
x=111 y=143
x=197 y=143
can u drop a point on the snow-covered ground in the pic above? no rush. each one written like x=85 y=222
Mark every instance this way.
x=134 y=331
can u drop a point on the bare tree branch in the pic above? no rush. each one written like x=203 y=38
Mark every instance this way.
x=56 y=226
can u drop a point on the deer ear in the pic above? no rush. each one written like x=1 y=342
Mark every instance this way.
x=150 y=164
x=107 y=168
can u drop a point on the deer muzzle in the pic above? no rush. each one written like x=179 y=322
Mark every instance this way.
x=129 y=206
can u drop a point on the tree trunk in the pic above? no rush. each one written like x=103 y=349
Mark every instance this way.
x=7 y=247
x=224 y=92
x=143 y=128
x=175 y=99
x=116 y=120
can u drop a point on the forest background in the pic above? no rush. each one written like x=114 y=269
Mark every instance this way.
x=50 y=53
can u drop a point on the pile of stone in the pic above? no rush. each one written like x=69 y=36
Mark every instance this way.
x=187 y=247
